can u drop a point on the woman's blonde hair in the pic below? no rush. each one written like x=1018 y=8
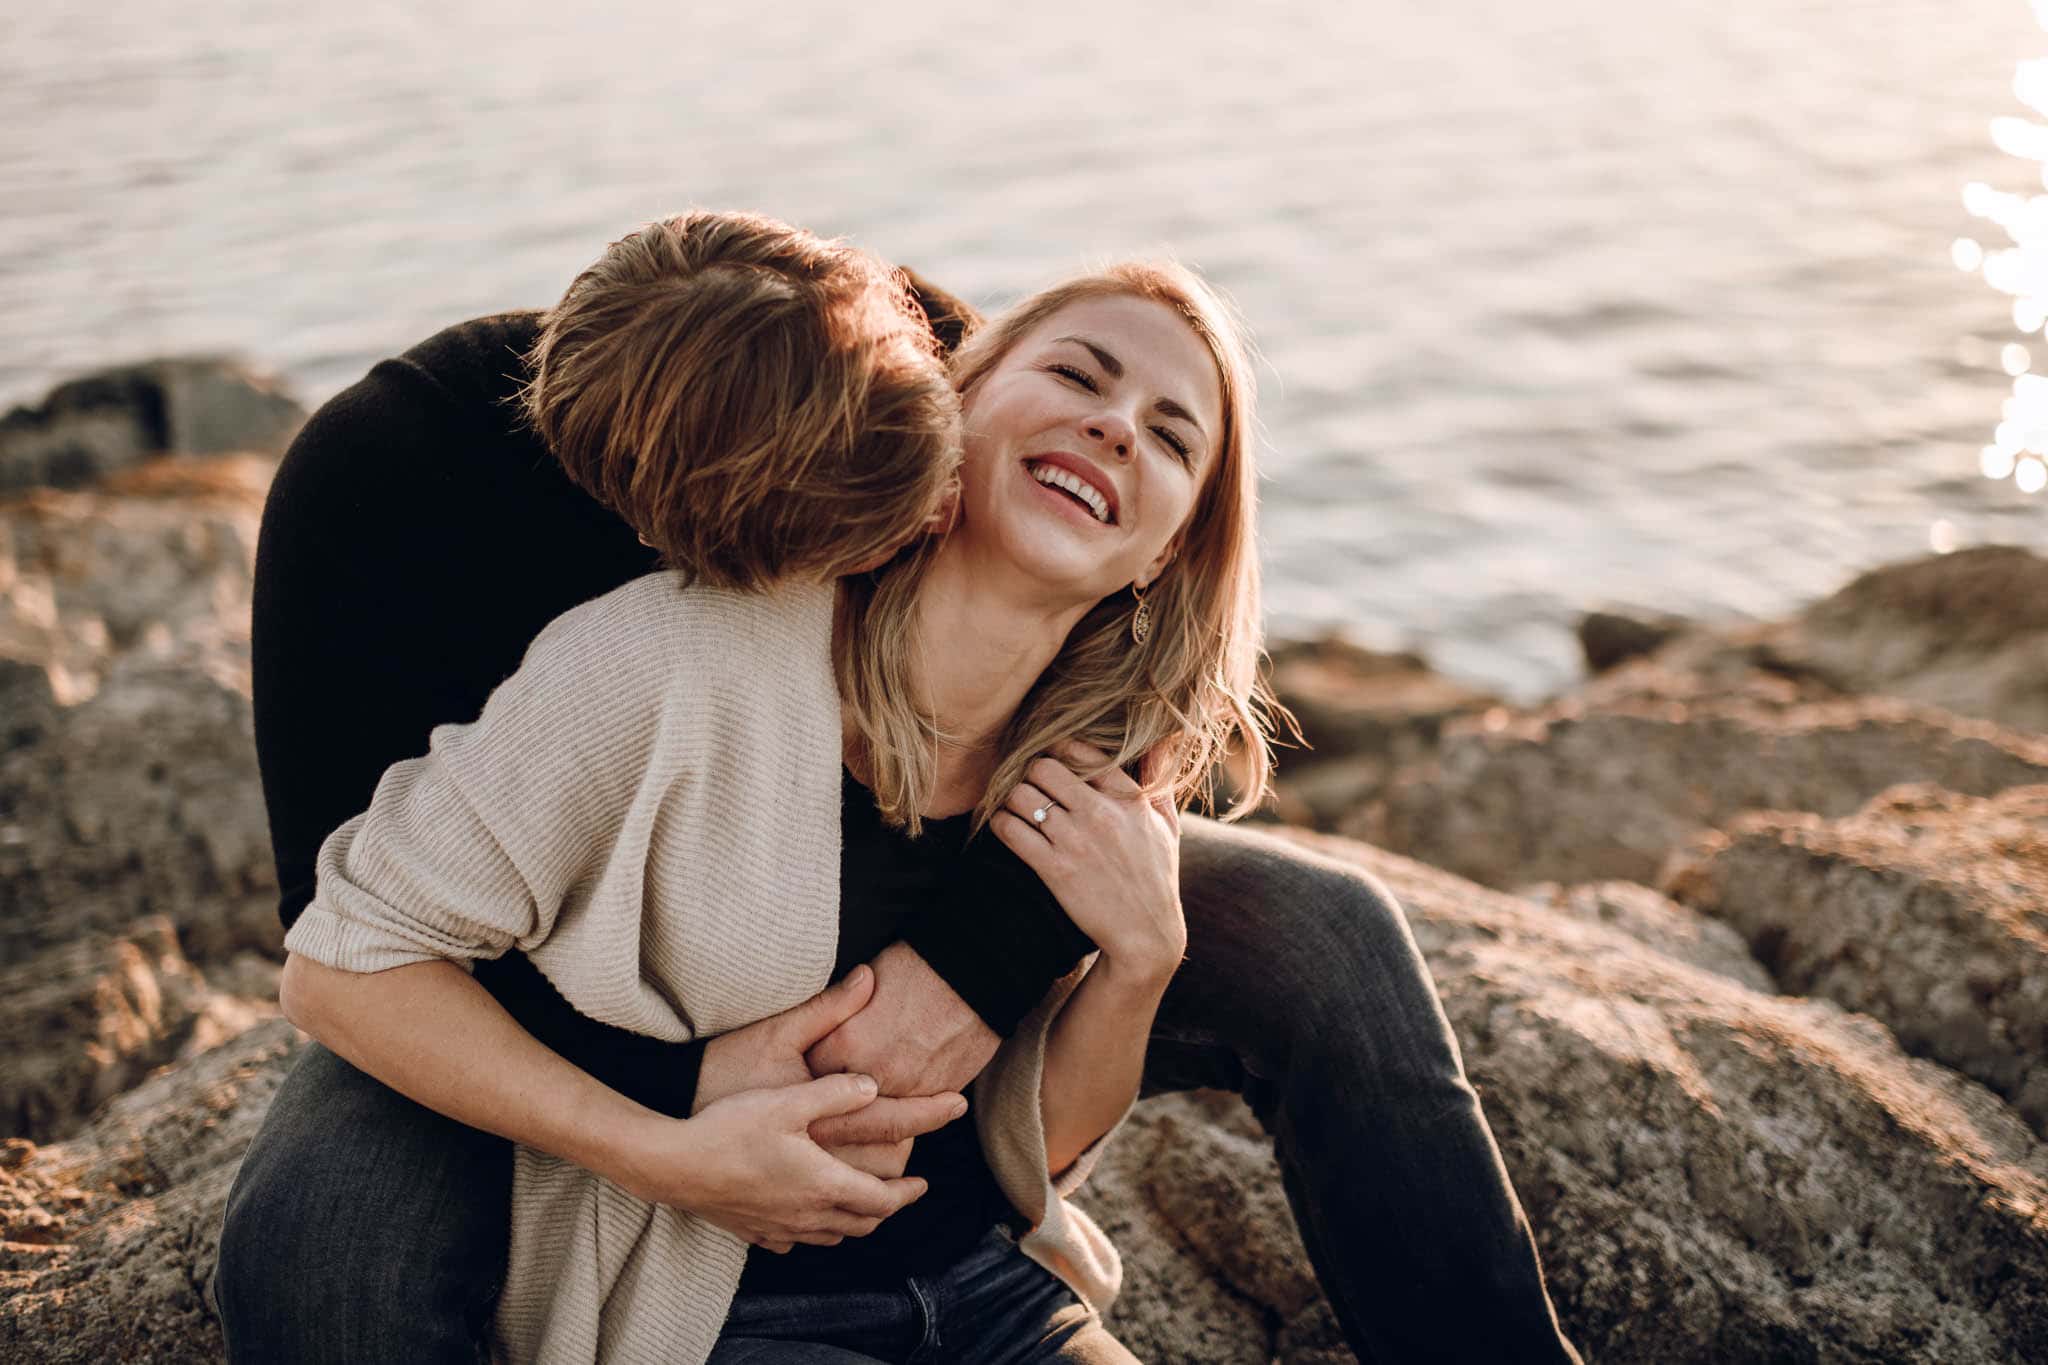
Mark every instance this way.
x=755 y=401
x=1170 y=708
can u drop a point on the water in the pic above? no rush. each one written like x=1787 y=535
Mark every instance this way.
x=1563 y=304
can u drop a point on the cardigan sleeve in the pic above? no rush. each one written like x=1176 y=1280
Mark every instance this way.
x=472 y=849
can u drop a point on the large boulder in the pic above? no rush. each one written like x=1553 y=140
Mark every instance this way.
x=141 y=800
x=111 y=1237
x=1712 y=1173
x=1657 y=922
x=1580 y=792
x=81 y=1022
x=1967 y=632
x=106 y=421
x=1927 y=910
x=1716 y=1174
x=156 y=563
x=1363 y=715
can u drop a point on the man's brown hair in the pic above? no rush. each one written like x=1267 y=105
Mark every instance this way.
x=757 y=402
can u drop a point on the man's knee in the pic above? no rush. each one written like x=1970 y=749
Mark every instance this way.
x=360 y=1224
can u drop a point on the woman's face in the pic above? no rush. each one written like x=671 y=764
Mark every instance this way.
x=1088 y=444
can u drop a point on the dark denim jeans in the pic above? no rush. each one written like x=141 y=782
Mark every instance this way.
x=364 y=1228
x=996 y=1306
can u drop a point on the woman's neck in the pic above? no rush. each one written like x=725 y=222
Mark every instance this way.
x=980 y=648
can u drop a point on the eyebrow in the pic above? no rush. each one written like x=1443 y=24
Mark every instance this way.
x=1165 y=407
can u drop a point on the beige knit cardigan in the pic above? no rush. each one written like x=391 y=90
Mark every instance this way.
x=650 y=809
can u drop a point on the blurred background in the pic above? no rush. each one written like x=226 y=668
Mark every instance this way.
x=1564 y=304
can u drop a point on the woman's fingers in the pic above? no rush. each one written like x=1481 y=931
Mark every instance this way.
x=1060 y=782
x=1033 y=806
x=1081 y=757
x=1023 y=839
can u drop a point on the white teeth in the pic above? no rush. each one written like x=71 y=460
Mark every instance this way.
x=1073 y=483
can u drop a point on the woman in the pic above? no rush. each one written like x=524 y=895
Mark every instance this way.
x=1100 y=588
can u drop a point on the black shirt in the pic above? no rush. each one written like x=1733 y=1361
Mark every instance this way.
x=416 y=538
x=885 y=879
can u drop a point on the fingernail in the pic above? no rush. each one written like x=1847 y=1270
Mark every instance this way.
x=865 y=1084
x=957 y=1107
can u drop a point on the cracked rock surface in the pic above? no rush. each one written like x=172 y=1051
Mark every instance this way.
x=1926 y=909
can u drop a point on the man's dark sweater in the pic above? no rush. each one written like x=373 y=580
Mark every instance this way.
x=415 y=540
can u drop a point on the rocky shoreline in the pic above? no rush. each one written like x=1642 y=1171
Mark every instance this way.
x=1745 y=940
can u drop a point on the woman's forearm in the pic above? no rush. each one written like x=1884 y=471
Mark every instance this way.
x=1095 y=1056
x=430 y=1032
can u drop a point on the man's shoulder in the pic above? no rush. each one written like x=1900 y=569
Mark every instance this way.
x=482 y=360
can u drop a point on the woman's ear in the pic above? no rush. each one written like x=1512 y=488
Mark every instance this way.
x=1158 y=565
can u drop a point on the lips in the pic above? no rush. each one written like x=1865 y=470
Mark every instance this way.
x=1078 y=479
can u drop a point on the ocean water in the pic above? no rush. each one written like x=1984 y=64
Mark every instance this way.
x=1561 y=304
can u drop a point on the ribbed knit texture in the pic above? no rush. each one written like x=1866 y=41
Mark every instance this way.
x=649 y=808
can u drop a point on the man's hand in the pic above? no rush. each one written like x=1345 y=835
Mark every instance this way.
x=770 y=1053
x=915 y=1037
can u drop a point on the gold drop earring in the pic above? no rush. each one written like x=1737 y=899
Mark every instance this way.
x=1141 y=619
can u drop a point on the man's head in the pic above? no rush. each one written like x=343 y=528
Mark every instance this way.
x=758 y=403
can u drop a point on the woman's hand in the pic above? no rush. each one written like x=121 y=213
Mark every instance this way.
x=1111 y=856
x=748 y=1164
x=770 y=1053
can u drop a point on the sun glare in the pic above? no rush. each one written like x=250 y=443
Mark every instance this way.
x=2019 y=446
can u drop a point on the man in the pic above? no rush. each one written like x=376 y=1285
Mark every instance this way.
x=419 y=533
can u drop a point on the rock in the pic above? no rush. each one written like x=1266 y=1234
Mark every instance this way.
x=1581 y=793
x=1363 y=714
x=1674 y=930
x=1175 y=1304
x=141 y=800
x=156 y=563
x=1608 y=638
x=1967 y=631
x=82 y=1022
x=110 y=1237
x=92 y=426
x=1927 y=910
x=1714 y=1174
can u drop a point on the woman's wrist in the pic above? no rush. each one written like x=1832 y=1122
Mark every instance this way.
x=1141 y=971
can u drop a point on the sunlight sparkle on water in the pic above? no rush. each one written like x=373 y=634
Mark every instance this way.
x=2030 y=84
x=2019 y=445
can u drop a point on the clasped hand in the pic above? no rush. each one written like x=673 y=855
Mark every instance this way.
x=776 y=1157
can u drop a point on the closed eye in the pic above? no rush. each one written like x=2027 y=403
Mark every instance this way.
x=1076 y=375
x=1172 y=439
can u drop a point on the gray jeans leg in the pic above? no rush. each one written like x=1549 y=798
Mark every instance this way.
x=362 y=1227
x=1303 y=991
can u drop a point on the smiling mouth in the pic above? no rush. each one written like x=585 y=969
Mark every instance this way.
x=1084 y=494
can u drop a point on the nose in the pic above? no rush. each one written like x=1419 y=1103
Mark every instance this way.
x=1114 y=431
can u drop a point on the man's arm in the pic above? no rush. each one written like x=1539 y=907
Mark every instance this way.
x=960 y=980
x=366 y=634
x=746 y=1163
